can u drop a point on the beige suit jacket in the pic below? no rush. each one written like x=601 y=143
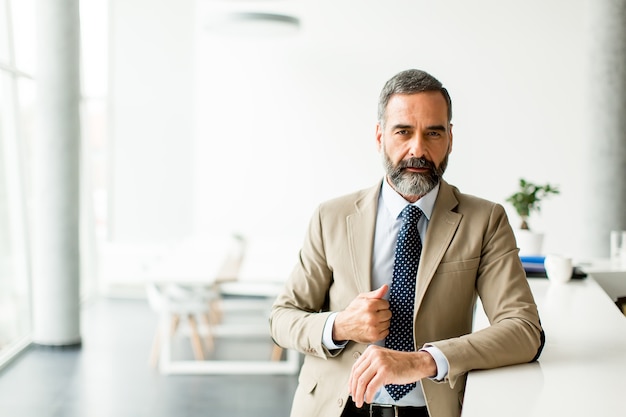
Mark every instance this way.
x=469 y=250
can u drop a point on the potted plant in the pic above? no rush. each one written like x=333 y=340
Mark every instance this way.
x=526 y=201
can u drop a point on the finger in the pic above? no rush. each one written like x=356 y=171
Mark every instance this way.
x=383 y=333
x=358 y=392
x=355 y=374
x=384 y=314
x=377 y=293
x=361 y=379
x=364 y=390
x=356 y=369
x=373 y=386
x=355 y=377
x=381 y=306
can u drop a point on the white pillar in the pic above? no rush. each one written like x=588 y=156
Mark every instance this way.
x=605 y=194
x=55 y=164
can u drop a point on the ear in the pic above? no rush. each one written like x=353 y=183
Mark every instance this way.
x=450 y=144
x=379 y=137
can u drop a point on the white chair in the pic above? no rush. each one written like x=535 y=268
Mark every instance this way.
x=228 y=273
x=174 y=302
x=260 y=277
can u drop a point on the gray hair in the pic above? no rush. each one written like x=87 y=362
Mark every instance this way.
x=410 y=82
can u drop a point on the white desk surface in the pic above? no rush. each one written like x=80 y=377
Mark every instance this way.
x=610 y=275
x=269 y=260
x=266 y=265
x=582 y=370
x=194 y=262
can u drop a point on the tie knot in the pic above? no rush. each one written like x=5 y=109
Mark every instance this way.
x=411 y=214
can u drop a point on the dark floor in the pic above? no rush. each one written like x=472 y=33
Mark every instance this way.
x=109 y=376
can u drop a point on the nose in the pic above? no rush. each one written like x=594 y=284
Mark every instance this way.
x=417 y=146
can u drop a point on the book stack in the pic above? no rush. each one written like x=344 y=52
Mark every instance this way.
x=534 y=268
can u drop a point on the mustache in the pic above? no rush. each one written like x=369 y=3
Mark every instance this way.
x=417 y=163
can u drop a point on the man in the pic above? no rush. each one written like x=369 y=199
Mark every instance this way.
x=412 y=251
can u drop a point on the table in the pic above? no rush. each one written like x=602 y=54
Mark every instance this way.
x=258 y=281
x=582 y=369
x=193 y=262
x=609 y=275
x=269 y=259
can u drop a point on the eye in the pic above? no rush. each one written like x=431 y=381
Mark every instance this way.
x=434 y=134
x=402 y=132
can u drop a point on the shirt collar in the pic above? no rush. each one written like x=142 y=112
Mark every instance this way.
x=395 y=203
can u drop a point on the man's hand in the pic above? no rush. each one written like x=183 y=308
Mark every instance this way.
x=366 y=319
x=379 y=366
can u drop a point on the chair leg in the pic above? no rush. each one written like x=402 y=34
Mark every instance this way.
x=208 y=338
x=156 y=348
x=215 y=311
x=196 y=344
x=156 y=342
x=174 y=324
x=277 y=353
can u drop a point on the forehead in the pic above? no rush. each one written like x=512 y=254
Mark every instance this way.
x=428 y=105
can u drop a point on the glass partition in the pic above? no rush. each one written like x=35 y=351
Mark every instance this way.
x=18 y=63
x=17 y=103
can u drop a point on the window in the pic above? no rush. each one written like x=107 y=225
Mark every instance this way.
x=17 y=128
x=16 y=122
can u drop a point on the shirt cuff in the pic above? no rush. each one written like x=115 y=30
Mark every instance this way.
x=440 y=360
x=327 y=336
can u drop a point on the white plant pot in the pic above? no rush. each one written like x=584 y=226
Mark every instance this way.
x=529 y=243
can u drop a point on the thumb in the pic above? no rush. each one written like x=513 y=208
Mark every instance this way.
x=377 y=293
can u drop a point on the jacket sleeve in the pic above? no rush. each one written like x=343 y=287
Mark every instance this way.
x=515 y=334
x=300 y=312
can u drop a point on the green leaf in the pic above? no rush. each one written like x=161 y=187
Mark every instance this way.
x=528 y=198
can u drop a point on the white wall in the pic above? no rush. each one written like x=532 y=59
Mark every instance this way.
x=151 y=119
x=284 y=123
x=287 y=123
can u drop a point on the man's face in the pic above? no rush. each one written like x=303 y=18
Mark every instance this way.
x=415 y=142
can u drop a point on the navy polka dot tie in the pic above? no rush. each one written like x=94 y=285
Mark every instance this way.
x=402 y=293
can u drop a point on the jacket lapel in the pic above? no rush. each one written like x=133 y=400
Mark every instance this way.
x=361 y=224
x=441 y=228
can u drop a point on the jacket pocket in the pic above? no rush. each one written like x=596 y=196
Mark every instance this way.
x=307 y=385
x=458 y=266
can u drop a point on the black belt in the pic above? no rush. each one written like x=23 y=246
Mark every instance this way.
x=382 y=410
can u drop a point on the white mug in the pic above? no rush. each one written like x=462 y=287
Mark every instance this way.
x=618 y=247
x=558 y=268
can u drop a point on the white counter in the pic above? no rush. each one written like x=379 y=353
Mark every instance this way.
x=582 y=370
x=610 y=276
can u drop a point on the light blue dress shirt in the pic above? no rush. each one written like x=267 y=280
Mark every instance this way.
x=388 y=224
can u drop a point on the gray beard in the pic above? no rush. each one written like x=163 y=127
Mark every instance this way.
x=413 y=183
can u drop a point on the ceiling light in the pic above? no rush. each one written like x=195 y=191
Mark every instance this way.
x=253 y=24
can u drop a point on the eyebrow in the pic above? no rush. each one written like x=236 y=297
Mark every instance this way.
x=401 y=126
x=440 y=128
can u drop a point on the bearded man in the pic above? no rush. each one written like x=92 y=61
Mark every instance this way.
x=381 y=301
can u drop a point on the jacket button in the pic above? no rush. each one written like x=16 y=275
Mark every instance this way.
x=340 y=402
x=356 y=355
